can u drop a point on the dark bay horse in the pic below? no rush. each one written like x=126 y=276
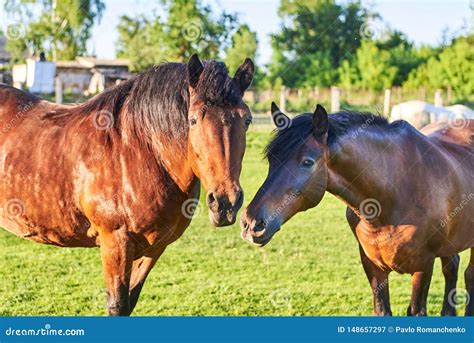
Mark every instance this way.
x=409 y=195
x=123 y=170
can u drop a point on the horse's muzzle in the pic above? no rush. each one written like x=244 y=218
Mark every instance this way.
x=256 y=229
x=223 y=209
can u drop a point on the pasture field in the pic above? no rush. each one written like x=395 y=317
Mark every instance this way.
x=311 y=267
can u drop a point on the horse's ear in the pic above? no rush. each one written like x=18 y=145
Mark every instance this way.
x=280 y=119
x=320 y=124
x=195 y=69
x=244 y=75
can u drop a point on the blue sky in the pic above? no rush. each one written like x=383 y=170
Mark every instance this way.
x=422 y=20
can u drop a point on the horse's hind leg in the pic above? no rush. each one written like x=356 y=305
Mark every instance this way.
x=469 y=279
x=117 y=255
x=450 y=266
x=420 y=286
x=140 y=270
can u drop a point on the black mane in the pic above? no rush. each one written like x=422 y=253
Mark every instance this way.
x=286 y=141
x=156 y=102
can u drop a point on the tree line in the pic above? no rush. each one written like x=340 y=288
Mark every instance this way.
x=319 y=43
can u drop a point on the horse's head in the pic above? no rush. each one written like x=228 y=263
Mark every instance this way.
x=297 y=176
x=218 y=120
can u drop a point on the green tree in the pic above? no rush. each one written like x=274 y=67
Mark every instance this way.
x=187 y=28
x=315 y=37
x=60 y=28
x=403 y=55
x=244 y=44
x=371 y=68
x=453 y=67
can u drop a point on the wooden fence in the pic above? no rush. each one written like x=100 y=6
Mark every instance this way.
x=336 y=98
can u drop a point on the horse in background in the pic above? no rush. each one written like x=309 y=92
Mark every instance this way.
x=421 y=113
x=122 y=171
x=409 y=196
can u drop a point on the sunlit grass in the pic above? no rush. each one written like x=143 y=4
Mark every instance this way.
x=311 y=267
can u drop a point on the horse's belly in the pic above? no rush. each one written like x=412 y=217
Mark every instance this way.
x=58 y=236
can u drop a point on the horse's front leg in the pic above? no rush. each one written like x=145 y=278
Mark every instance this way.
x=450 y=266
x=378 y=280
x=117 y=253
x=420 y=286
x=377 y=277
x=140 y=270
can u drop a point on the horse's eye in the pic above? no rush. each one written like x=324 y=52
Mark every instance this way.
x=308 y=163
x=193 y=121
x=248 y=121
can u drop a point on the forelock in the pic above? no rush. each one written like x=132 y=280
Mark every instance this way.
x=216 y=87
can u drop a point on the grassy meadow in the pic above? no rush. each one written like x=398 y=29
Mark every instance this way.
x=311 y=267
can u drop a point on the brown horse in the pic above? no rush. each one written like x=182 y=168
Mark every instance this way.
x=410 y=196
x=123 y=170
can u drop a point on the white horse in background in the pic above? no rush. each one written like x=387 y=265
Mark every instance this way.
x=421 y=113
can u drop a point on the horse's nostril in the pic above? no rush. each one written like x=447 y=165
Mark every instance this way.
x=210 y=198
x=260 y=225
x=239 y=198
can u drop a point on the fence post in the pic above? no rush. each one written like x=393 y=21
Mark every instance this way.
x=283 y=99
x=316 y=92
x=449 y=95
x=400 y=94
x=386 y=103
x=423 y=93
x=58 y=90
x=438 y=99
x=335 y=97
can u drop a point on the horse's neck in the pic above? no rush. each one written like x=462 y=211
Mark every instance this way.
x=178 y=166
x=366 y=167
x=170 y=154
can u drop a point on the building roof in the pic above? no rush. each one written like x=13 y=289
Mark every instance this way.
x=92 y=62
x=97 y=62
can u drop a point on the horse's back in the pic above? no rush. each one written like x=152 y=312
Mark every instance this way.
x=457 y=132
x=12 y=101
x=16 y=106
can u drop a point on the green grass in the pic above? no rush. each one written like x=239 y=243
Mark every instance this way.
x=311 y=267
